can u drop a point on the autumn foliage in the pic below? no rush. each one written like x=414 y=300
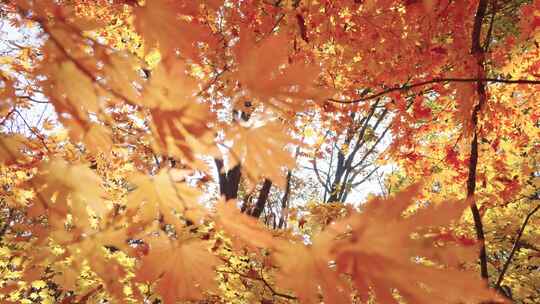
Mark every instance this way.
x=270 y=151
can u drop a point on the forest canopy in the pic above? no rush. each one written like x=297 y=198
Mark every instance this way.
x=270 y=151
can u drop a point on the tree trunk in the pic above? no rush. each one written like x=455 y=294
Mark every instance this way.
x=263 y=197
x=229 y=181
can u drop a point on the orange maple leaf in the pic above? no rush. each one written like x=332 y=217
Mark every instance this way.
x=170 y=25
x=162 y=195
x=11 y=149
x=276 y=82
x=377 y=257
x=261 y=150
x=301 y=269
x=385 y=257
x=184 y=269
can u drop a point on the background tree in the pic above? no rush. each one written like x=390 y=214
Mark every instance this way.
x=157 y=151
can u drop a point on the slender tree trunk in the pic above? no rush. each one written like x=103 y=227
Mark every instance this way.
x=340 y=170
x=479 y=53
x=261 y=200
x=285 y=202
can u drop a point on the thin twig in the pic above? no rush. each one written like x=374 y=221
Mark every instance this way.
x=260 y=278
x=32 y=99
x=39 y=136
x=7 y=116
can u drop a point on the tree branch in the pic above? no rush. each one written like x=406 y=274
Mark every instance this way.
x=406 y=87
x=39 y=136
x=5 y=119
x=32 y=99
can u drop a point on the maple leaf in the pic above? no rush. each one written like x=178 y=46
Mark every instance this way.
x=308 y=272
x=240 y=225
x=122 y=74
x=62 y=188
x=179 y=121
x=184 y=269
x=421 y=111
x=183 y=133
x=11 y=149
x=378 y=257
x=170 y=88
x=162 y=195
x=96 y=137
x=383 y=256
x=301 y=269
x=275 y=82
x=67 y=276
x=169 y=24
x=261 y=150
x=90 y=251
x=72 y=89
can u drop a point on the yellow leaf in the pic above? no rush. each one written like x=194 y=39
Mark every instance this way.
x=63 y=188
x=39 y=284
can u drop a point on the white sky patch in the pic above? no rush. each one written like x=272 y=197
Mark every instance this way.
x=13 y=41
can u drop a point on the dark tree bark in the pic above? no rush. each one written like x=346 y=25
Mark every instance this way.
x=479 y=53
x=229 y=181
x=262 y=199
x=285 y=201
